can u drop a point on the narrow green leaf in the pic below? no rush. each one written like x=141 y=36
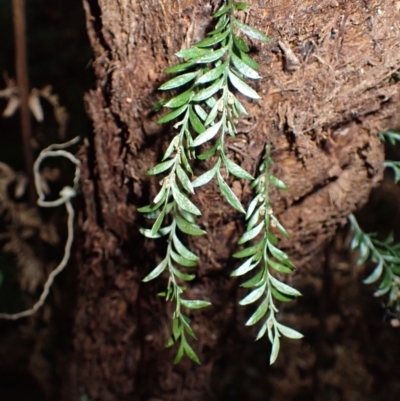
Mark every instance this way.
x=249 y=235
x=213 y=74
x=207 y=92
x=259 y=313
x=262 y=331
x=179 y=81
x=184 y=179
x=284 y=288
x=279 y=226
x=242 y=87
x=159 y=168
x=236 y=170
x=180 y=100
x=208 y=134
x=205 y=178
x=183 y=201
x=179 y=68
x=181 y=260
x=249 y=61
x=148 y=233
x=172 y=115
x=209 y=153
x=212 y=56
x=244 y=253
x=196 y=122
x=158 y=222
x=275 y=349
x=190 y=353
x=229 y=194
x=181 y=275
x=182 y=250
x=252 y=206
x=279 y=255
x=240 y=44
x=194 y=304
x=150 y=208
x=186 y=163
x=243 y=268
x=212 y=40
x=186 y=324
x=288 y=332
x=200 y=112
x=277 y=182
x=244 y=69
x=255 y=281
x=171 y=147
x=254 y=295
x=170 y=342
x=222 y=10
x=279 y=267
x=157 y=271
x=374 y=276
x=179 y=354
x=192 y=52
x=241 y=6
x=252 y=32
x=279 y=296
x=188 y=228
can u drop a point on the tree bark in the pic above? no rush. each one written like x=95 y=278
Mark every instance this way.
x=329 y=86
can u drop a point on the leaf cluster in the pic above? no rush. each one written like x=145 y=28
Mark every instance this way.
x=264 y=257
x=386 y=256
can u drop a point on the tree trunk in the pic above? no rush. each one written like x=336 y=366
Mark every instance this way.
x=329 y=86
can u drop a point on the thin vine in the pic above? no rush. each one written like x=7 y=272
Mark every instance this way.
x=267 y=257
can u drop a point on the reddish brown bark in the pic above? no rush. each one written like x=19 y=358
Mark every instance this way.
x=327 y=91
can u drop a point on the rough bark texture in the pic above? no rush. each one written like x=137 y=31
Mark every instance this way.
x=328 y=88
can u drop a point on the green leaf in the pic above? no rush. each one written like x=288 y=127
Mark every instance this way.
x=213 y=113
x=179 y=100
x=150 y=208
x=185 y=321
x=157 y=271
x=255 y=281
x=186 y=163
x=190 y=353
x=279 y=267
x=244 y=253
x=179 y=68
x=200 y=112
x=212 y=56
x=171 y=147
x=206 y=177
x=252 y=206
x=148 y=233
x=182 y=276
x=240 y=107
x=254 y=295
x=170 y=342
x=183 y=201
x=279 y=255
x=279 y=296
x=229 y=195
x=192 y=53
x=374 y=276
x=259 y=313
x=181 y=260
x=249 y=235
x=179 y=81
x=188 y=228
x=213 y=74
x=240 y=44
x=182 y=250
x=275 y=349
x=222 y=10
x=288 y=332
x=241 y=6
x=184 y=179
x=262 y=330
x=195 y=304
x=236 y=170
x=244 y=268
x=158 y=222
x=206 y=93
x=284 y=288
x=242 y=87
x=196 y=122
x=172 y=115
x=179 y=354
x=161 y=167
x=252 y=32
x=212 y=40
x=208 y=134
x=277 y=182
x=209 y=153
x=279 y=226
x=249 y=61
x=243 y=68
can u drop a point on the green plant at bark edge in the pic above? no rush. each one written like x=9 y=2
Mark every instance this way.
x=267 y=257
x=386 y=254
x=204 y=113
